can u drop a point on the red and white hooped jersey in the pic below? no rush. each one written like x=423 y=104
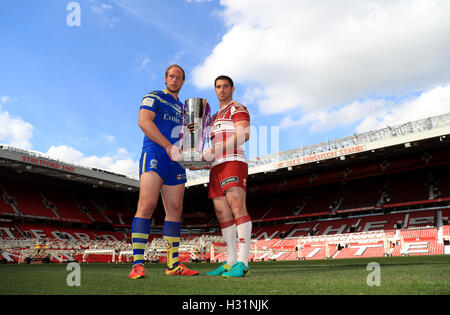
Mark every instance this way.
x=222 y=127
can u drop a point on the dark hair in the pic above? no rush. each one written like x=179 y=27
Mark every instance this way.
x=175 y=65
x=224 y=77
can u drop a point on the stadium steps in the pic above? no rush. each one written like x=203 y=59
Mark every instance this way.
x=19 y=230
x=85 y=212
x=48 y=204
x=6 y=200
x=66 y=205
x=86 y=207
x=100 y=210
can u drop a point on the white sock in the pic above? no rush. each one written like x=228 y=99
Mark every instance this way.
x=229 y=235
x=244 y=232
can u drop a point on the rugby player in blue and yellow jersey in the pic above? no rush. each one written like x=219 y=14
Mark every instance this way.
x=160 y=118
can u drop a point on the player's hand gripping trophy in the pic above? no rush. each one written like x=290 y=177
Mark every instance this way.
x=194 y=132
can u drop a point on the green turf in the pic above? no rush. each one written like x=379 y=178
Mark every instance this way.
x=399 y=275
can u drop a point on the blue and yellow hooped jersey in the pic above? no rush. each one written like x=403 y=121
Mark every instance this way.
x=168 y=117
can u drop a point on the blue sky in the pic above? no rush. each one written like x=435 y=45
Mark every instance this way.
x=315 y=70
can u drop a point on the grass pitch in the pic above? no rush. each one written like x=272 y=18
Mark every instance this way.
x=398 y=275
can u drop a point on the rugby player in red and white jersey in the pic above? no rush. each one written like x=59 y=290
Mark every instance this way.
x=230 y=129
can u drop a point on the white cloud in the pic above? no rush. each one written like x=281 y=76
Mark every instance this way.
x=102 y=8
x=127 y=167
x=321 y=121
x=318 y=55
x=376 y=114
x=141 y=62
x=65 y=153
x=108 y=138
x=119 y=162
x=176 y=58
x=114 y=163
x=122 y=153
x=106 y=6
x=14 y=130
x=103 y=11
x=4 y=99
x=430 y=103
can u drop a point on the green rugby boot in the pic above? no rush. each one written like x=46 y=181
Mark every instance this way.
x=220 y=270
x=239 y=270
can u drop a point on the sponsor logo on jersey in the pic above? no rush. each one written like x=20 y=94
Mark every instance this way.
x=176 y=119
x=226 y=181
x=148 y=101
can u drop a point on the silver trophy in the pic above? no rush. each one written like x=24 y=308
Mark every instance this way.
x=194 y=132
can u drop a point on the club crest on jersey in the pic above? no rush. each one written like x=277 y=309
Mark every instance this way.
x=226 y=181
x=237 y=107
x=154 y=164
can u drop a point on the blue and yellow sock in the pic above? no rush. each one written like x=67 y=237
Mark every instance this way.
x=171 y=233
x=140 y=230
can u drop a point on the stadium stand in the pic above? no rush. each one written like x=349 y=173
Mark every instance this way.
x=6 y=203
x=86 y=206
x=28 y=200
x=64 y=203
x=8 y=230
x=378 y=198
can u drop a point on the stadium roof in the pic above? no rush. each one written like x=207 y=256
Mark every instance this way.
x=35 y=162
